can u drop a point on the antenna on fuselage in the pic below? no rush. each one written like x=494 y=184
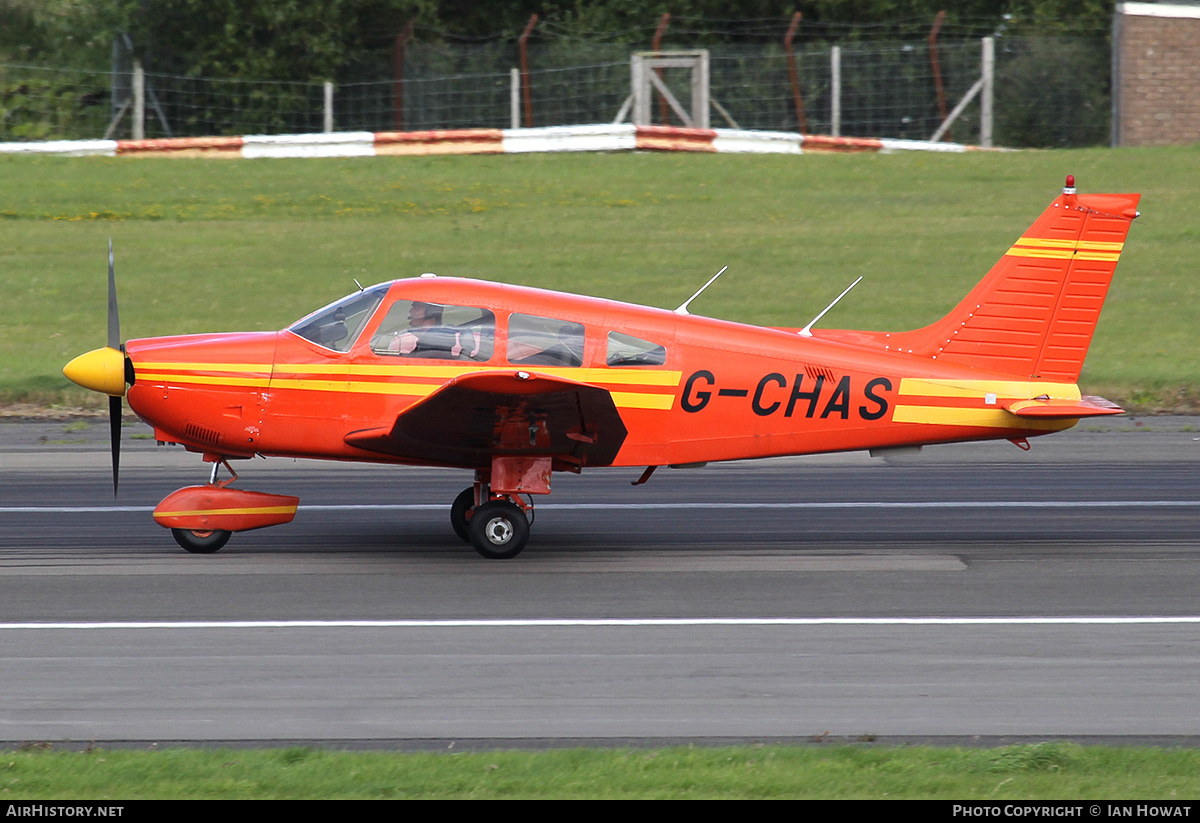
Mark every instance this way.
x=355 y=279
x=683 y=309
x=807 y=330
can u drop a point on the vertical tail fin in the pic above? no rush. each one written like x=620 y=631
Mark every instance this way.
x=1034 y=313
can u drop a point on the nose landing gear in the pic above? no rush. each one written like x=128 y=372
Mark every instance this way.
x=202 y=518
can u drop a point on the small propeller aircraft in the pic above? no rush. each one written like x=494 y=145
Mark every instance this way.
x=517 y=383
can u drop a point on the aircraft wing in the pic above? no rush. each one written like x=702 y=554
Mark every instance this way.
x=474 y=417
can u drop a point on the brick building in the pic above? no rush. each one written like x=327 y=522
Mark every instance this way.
x=1156 y=74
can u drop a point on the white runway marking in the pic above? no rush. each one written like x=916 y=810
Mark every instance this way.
x=668 y=622
x=938 y=504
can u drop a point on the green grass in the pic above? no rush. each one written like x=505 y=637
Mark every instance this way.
x=1055 y=770
x=216 y=245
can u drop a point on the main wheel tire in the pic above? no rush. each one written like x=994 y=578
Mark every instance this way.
x=458 y=513
x=498 y=530
x=201 y=542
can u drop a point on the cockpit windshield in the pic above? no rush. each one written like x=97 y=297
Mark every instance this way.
x=337 y=325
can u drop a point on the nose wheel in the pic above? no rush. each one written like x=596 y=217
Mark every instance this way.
x=208 y=541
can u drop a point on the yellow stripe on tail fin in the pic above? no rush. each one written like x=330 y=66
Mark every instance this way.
x=1032 y=316
x=1034 y=313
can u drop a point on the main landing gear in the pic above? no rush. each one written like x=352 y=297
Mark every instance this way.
x=496 y=525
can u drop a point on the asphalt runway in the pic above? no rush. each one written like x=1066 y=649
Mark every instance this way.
x=970 y=591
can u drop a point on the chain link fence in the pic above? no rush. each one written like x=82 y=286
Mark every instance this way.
x=1048 y=92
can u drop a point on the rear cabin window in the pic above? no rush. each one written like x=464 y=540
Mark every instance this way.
x=544 y=341
x=435 y=331
x=626 y=350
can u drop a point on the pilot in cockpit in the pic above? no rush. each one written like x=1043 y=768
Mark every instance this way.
x=422 y=318
x=421 y=315
x=427 y=335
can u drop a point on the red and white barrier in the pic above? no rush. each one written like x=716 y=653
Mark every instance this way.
x=613 y=137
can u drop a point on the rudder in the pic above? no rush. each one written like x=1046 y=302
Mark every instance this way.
x=1033 y=315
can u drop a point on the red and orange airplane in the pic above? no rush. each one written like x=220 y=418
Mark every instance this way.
x=517 y=383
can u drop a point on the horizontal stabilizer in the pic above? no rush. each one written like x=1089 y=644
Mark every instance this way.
x=1083 y=407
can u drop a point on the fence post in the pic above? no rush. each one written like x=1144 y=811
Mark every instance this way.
x=656 y=46
x=936 y=66
x=835 y=91
x=328 y=107
x=793 y=75
x=700 y=92
x=641 y=91
x=987 y=69
x=514 y=98
x=398 y=75
x=139 y=101
x=521 y=42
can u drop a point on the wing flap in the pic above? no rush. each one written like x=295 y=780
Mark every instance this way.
x=475 y=417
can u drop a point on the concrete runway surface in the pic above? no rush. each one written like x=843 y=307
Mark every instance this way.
x=967 y=592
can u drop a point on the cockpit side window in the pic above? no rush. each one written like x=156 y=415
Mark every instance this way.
x=626 y=350
x=544 y=341
x=435 y=331
x=337 y=325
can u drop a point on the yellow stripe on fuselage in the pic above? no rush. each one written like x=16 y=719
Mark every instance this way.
x=205 y=380
x=641 y=400
x=991 y=418
x=237 y=368
x=405 y=389
x=338 y=379
x=630 y=377
x=1003 y=389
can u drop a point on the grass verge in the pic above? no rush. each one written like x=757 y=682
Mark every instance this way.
x=213 y=245
x=1056 y=770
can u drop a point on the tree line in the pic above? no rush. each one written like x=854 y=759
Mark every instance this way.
x=305 y=41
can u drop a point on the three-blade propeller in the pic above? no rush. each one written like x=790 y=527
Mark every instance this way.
x=104 y=370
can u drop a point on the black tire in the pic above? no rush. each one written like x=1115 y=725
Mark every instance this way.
x=498 y=530
x=197 y=542
x=458 y=513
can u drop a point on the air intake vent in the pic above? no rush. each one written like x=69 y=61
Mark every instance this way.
x=201 y=434
x=819 y=371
